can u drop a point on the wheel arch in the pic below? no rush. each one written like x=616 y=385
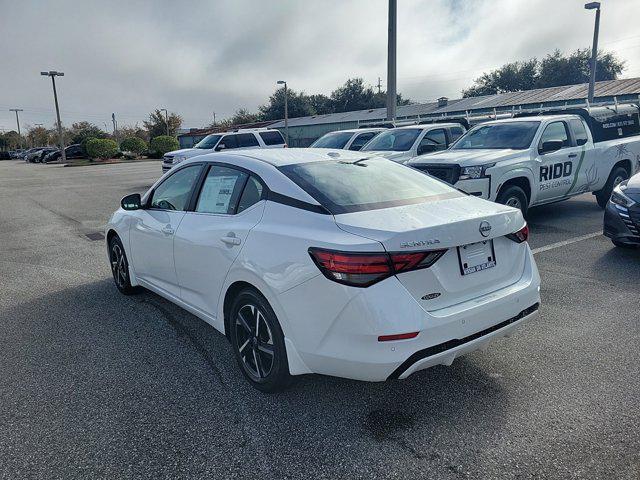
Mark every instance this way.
x=520 y=181
x=624 y=163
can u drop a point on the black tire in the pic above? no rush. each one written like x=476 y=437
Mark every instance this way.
x=120 y=267
x=616 y=176
x=514 y=196
x=260 y=352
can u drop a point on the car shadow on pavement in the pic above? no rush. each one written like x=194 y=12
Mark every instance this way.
x=90 y=349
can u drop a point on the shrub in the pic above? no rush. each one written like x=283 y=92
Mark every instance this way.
x=134 y=145
x=163 y=144
x=102 y=148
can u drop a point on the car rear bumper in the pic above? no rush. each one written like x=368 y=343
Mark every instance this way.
x=622 y=224
x=349 y=346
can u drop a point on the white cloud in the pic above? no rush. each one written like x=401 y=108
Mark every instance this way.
x=196 y=57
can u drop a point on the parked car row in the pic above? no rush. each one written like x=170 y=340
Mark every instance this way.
x=50 y=154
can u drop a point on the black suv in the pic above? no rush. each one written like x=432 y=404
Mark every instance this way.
x=72 y=151
x=622 y=214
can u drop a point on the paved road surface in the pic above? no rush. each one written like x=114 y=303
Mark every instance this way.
x=95 y=384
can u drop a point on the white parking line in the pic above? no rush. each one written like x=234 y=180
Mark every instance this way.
x=566 y=242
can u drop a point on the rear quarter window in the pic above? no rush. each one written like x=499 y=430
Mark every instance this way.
x=272 y=137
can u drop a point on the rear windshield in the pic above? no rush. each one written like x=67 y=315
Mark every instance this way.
x=367 y=184
x=396 y=140
x=272 y=137
x=512 y=135
x=332 y=140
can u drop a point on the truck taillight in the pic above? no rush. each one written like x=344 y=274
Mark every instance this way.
x=521 y=235
x=359 y=269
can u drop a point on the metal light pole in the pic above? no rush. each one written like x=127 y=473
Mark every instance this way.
x=18 y=122
x=166 y=119
x=594 y=52
x=115 y=127
x=391 y=61
x=53 y=74
x=286 y=112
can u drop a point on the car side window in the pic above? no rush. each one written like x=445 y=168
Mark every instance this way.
x=433 y=141
x=456 y=133
x=361 y=139
x=229 y=141
x=247 y=140
x=221 y=190
x=251 y=194
x=555 y=131
x=579 y=131
x=175 y=191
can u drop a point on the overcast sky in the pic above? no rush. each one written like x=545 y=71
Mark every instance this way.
x=197 y=57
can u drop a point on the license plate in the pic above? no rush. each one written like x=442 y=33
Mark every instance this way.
x=476 y=257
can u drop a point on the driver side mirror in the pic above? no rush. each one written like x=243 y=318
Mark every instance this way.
x=221 y=146
x=131 y=202
x=550 y=146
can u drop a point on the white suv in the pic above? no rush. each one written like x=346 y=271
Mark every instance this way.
x=401 y=144
x=243 y=138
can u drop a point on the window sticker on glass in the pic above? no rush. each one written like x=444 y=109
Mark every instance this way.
x=216 y=194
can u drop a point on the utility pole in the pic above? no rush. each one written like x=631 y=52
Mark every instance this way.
x=214 y=119
x=166 y=119
x=594 y=49
x=391 y=61
x=18 y=122
x=379 y=85
x=286 y=112
x=115 y=127
x=53 y=74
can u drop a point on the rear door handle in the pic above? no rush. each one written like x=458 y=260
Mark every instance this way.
x=167 y=230
x=231 y=240
x=573 y=155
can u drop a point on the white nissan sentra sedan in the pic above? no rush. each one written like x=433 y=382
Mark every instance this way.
x=327 y=261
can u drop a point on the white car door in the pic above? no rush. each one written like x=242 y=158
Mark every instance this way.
x=152 y=233
x=210 y=238
x=557 y=169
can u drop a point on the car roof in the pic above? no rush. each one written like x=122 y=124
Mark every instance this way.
x=283 y=156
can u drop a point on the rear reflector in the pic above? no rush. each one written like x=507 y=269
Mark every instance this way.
x=521 y=235
x=360 y=269
x=399 y=336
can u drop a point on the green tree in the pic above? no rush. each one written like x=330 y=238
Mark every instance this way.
x=163 y=144
x=241 y=117
x=134 y=145
x=133 y=131
x=39 y=136
x=157 y=124
x=321 y=104
x=80 y=132
x=102 y=148
x=12 y=140
x=556 y=69
x=298 y=105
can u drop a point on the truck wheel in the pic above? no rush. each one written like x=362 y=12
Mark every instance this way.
x=514 y=196
x=619 y=174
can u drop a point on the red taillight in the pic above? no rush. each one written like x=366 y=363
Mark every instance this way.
x=521 y=235
x=363 y=269
x=399 y=336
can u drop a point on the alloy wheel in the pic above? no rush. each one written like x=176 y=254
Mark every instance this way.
x=254 y=342
x=118 y=266
x=514 y=202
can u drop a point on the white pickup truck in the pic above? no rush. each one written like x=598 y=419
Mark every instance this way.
x=533 y=160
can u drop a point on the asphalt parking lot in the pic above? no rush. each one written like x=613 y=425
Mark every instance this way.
x=96 y=384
